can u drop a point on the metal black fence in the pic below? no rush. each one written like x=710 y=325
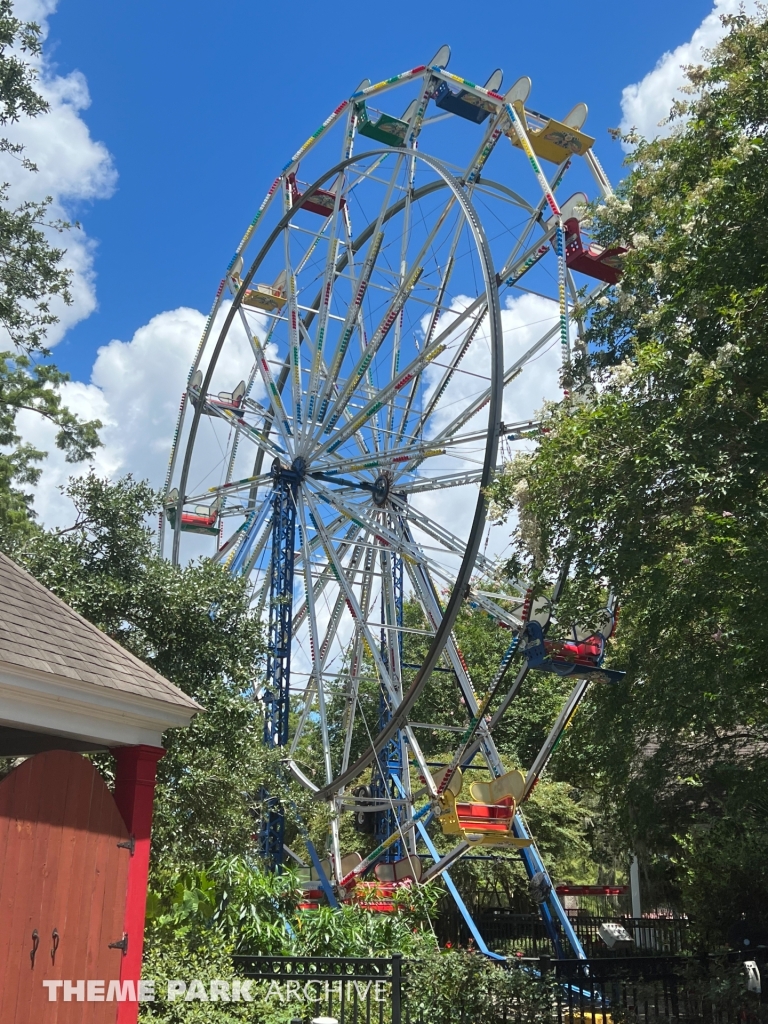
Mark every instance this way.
x=509 y=932
x=650 y=990
x=352 y=990
x=627 y=990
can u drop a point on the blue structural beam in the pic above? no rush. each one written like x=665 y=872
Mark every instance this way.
x=552 y=912
x=272 y=830
x=462 y=907
x=280 y=613
x=278 y=674
x=325 y=884
x=250 y=528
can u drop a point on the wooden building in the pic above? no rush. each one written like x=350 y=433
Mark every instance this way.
x=74 y=856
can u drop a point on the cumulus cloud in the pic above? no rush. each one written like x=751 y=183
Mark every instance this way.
x=73 y=169
x=135 y=390
x=35 y=10
x=648 y=102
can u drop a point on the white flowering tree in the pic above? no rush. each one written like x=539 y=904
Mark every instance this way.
x=655 y=481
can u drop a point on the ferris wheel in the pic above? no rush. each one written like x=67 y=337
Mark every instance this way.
x=383 y=327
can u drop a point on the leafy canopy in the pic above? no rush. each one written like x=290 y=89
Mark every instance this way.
x=654 y=480
x=192 y=624
x=31 y=274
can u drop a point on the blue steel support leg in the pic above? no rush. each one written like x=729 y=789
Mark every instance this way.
x=552 y=910
x=278 y=673
x=463 y=910
x=326 y=886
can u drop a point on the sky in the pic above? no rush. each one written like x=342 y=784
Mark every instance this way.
x=168 y=124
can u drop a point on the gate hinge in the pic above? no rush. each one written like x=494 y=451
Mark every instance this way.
x=122 y=944
x=129 y=844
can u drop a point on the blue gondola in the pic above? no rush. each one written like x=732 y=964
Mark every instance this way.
x=466 y=104
x=580 y=657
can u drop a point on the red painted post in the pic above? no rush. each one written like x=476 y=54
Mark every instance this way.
x=134 y=796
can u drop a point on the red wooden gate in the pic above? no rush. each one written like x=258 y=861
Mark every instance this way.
x=63 y=881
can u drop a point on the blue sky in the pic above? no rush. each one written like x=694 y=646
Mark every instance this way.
x=171 y=119
x=200 y=112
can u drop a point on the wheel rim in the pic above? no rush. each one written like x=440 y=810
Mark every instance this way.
x=385 y=510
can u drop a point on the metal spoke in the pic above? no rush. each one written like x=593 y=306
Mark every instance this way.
x=315 y=647
x=349 y=594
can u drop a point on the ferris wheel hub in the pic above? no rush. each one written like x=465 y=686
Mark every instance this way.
x=293 y=475
x=380 y=490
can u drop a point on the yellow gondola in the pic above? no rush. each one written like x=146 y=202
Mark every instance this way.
x=266 y=297
x=485 y=820
x=555 y=140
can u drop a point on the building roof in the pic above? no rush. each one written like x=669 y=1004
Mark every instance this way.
x=39 y=633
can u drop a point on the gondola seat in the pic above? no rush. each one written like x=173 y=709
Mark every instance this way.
x=321 y=202
x=591 y=259
x=556 y=141
x=203 y=519
x=467 y=104
x=482 y=822
x=387 y=129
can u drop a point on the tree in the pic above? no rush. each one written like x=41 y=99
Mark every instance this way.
x=653 y=482
x=31 y=274
x=193 y=624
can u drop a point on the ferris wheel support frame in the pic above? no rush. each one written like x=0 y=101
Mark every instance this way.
x=284 y=498
x=276 y=696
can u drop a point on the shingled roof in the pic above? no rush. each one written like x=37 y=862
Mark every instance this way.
x=39 y=633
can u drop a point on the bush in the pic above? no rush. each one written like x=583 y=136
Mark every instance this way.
x=466 y=988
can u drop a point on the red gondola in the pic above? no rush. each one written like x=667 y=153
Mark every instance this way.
x=591 y=259
x=321 y=202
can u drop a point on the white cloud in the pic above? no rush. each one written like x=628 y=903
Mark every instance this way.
x=73 y=168
x=135 y=390
x=35 y=10
x=648 y=102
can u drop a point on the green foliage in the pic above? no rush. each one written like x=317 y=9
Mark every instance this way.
x=465 y=986
x=723 y=870
x=558 y=823
x=210 y=959
x=254 y=906
x=183 y=907
x=256 y=913
x=30 y=275
x=656 y=481
x=353 y=931
x=193 y=624
x=17 y=92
